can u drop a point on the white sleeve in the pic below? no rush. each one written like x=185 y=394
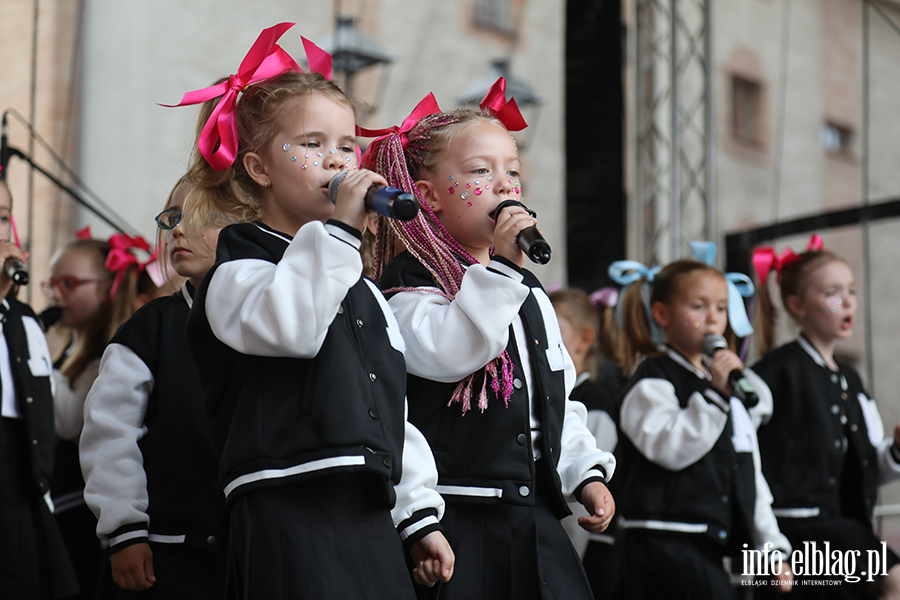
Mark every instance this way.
x=578 y=453
x=888 y=468
x=68 y=400
x=762 y=412
x=111 y=461
x=601 y=424
x=285 y=309
x=415 y=492
x=666 y=434
x=446 y=341
x=765 y=525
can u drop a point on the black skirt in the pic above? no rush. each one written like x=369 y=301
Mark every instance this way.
x=506 y=552
x=33 y=558
x=658 y=565
x=317 y=539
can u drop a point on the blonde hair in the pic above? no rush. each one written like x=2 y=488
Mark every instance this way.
x=636 y=329
x=113 y=311
x=575 y=306
x=793 y=280
x=229 y=196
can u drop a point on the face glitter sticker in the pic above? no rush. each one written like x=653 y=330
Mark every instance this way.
x=464 y=195
x=450 y=190
x=487 y=187
x=303 y=167
x=490 y=178
x=286 y=147
x=468 y=185
x=315 y=163
x=331 y=152
x=319 y=153
x=477 y=191
x=293 y=159
x=450 y=178
x=469 y=203
x=833 y=304
x=477 y=182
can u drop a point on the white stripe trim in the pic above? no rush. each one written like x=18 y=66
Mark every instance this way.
x=343 y=235
x=666 y=526
x=166 y=539
x=187 y=295
x=47 y=498
x=278 y=235
x=797 y=513
x=140 y=533
x=429 y=520
x=461 y=490
x=593 y=473
x=602 y=538
x=506 y=270
x=687 y=365
x=316 y=465
x=813 y=353
x=582 y=377
x=712 y=395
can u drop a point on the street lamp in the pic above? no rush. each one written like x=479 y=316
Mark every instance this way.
x=352 y=52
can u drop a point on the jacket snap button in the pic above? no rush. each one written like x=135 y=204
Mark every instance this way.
x=373 y=413
x=524 y=491
x=537 y=342
x=29 y=400
x=211 y=540
x=834 y=378
x=837 y=443
x=517 y=383
x=724 y=499
x=723 y=534
x=854 y=427
x=34 y=442
x=341 y=309
x=387 y=461
x=521 y=438
x=372 y=376
x=835 y=409
x=359 y=323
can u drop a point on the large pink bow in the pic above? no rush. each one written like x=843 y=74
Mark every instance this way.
x=506 y=112
x=120 y=257
x=427 y=106
x=765 y=259
x=218 y=141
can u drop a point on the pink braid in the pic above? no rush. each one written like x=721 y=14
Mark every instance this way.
x=429 y=242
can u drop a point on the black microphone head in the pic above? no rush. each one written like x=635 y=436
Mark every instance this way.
x=405 y=207
x=539 y=252
x=713 y=343
x=335 y=184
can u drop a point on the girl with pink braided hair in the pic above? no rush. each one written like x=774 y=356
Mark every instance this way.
x=489 y=376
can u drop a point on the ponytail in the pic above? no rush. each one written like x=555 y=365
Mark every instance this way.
x=636 y=333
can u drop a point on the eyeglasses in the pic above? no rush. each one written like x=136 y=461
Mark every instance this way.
x=169 y=218
x=66 y=285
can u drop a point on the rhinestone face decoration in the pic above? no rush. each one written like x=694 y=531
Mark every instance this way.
x=477 y=191
x=464 y=195
x=315 y=163
x=470 y=204
x=293 y=159
x=286 y=147
x=487 y=187
x=490 y=178
x=450 y=189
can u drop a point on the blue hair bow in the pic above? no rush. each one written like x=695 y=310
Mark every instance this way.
x=627 y=272
x=739 y=287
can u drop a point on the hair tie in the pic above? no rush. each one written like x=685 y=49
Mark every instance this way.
x=427 y=106
x=508 y=113
x=739 y=287
x=120 y=257
x=765 y=259
x=605 y=296
x=218 y=141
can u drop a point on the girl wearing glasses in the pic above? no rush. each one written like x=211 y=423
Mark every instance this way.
x=32 y=552
x=94 y=301
x=146 y=449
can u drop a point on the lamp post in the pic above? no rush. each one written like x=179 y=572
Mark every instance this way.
x=352 y=52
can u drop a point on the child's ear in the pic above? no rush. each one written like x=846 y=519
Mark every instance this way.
x=586 y=338
x=795 y=307
x=429 y=194
x=256 y=168
x=660 y=313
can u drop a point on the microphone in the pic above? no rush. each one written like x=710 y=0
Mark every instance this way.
x=16 y=270
x=386 y=201
x=49 y=316
x=741 y=386
x=530 y=240
x=5 y=152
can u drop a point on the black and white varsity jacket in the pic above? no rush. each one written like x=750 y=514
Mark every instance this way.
x=824 y=449
x=28 y=362
x=691 y=457
x=150 y=470
x=303 y=372
x=490 y=456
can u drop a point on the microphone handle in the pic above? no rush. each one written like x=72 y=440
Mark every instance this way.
x=533 y=244
x=743 y=389
x=391 y=202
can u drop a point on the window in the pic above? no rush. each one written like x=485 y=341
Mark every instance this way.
x=493 y=14
x=835 y=138
x=746 y=113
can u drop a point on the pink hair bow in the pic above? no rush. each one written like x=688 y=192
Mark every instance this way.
x=218 y=141
x=605 y=296
x=427 y=106
x=120 y=257
x=84 y=233
x=506 y=112
x=765 y=259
